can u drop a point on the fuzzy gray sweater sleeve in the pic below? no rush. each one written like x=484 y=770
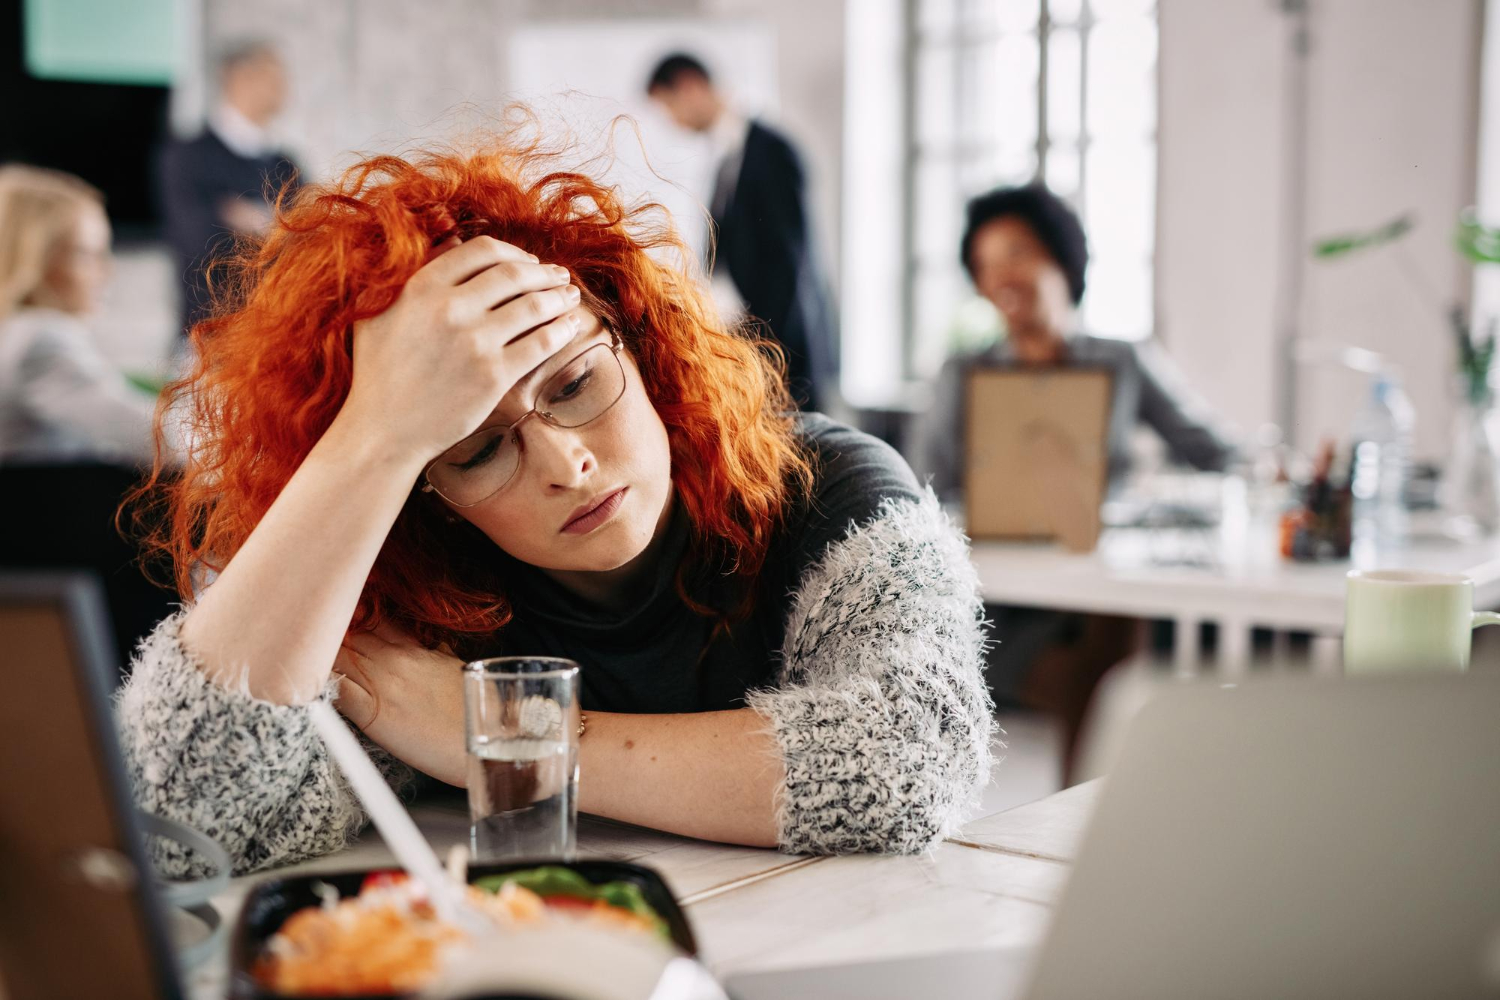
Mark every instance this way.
x=252 y=775
x=881 y=711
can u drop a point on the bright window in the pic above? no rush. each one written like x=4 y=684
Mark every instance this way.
x=1010 y=91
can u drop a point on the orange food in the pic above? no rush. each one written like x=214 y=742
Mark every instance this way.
x=385 y=940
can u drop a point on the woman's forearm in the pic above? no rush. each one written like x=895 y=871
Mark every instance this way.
x=275 y=616
x=712 y=775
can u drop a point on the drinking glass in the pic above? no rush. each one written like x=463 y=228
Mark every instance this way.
x=521 y=726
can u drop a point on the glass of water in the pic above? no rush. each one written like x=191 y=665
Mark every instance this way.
x=521 y=721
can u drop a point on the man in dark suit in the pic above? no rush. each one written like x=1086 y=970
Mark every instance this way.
x=218 y=186
x=764 y=228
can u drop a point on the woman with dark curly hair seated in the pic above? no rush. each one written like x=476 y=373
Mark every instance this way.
x=1027 y=254
x=463 y=405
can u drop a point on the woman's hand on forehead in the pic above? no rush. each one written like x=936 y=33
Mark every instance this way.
x=474 y=321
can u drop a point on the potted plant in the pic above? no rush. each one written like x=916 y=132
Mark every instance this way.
x=1470 y=489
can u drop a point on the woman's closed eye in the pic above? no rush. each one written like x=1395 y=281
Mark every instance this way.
x=483 y=455
x=574 y=386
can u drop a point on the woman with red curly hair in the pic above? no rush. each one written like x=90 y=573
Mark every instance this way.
x=459 y=406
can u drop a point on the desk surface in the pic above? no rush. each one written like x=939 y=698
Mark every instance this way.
x=993 y=884
x=1241 y=581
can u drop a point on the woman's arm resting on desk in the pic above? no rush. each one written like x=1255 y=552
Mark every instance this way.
x=251 y=774
x=876 y=739
x=712 y=775
x=883 y=716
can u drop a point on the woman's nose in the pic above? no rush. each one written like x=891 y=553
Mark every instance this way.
x=558 y=454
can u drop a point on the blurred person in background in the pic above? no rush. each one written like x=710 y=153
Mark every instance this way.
x=61 y=399
x=764 y=231
x=218 y=186
x=1027 y=254
x=73 y=428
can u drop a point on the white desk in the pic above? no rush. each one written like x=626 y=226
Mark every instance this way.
x=753 y=910
x=1248 y=587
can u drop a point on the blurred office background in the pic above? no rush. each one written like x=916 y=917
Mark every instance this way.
x=1205 y=144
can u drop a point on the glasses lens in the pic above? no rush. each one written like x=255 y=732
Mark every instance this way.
x=590 y=384
x=483 y=462
x=475 y=467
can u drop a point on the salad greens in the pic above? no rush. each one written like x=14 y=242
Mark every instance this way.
x=553 y=880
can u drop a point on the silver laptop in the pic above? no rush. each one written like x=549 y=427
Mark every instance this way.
x=1290 y=838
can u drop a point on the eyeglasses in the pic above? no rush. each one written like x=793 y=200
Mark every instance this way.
x=481 y=464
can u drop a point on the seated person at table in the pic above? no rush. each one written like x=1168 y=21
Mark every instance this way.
x=61 y=399
x=1027 y=254
x=463 y=407
x=74 y=430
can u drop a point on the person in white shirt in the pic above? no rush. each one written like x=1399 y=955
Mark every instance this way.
x=61 y=399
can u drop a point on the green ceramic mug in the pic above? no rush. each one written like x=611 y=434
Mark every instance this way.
x=1404 y=620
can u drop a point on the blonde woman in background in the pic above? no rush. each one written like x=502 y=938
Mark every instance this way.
x=61 y=400
x=74 y=431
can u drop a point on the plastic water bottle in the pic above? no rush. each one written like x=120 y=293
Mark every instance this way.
x=1382 y=463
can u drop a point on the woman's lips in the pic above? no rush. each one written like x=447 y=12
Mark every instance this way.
x=601 y=512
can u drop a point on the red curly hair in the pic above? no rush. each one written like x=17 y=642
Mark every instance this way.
x=274 y=367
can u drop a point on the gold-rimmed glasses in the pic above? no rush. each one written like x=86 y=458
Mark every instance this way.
x=480 y=465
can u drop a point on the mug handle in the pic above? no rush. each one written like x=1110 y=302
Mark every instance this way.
x=1484 y=618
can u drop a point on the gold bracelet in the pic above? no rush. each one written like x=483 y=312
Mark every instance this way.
x=583 y=723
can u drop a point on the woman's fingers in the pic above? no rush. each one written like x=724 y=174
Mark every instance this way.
x=520 y=316
x=453 y=267
x=507 y=281
x=354 y=699
x=531 y=348
x=354 y=702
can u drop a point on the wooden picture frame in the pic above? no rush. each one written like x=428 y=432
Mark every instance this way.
x=1036 y=452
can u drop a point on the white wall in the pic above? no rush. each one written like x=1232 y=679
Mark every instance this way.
x=1487 y=279
x=870 y=306
x=1219 y=187
x=1391 y=112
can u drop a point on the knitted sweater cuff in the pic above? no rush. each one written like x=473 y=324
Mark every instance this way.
x=883 y=716
x=251 y=774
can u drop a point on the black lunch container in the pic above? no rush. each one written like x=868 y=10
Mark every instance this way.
x=272 y=901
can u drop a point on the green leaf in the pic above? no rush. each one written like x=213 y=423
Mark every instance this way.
x=1476 y=241
x=555 y=880
x=550 y=880
x=1347 y=243
x=147 y=382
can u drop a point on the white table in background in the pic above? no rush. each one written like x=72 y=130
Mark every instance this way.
x=1247 y=586
x=992 y=885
